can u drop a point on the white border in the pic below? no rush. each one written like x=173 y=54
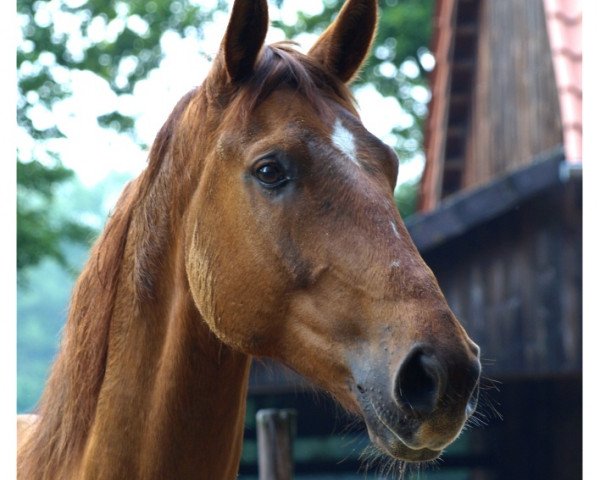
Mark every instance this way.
x=8 y=318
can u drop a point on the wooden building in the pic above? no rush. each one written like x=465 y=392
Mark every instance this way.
x=500 y=225
x=500 y=93
x=500 y=217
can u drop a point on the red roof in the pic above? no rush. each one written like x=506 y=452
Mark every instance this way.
x=563 y=18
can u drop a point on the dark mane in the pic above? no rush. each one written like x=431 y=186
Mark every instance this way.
x=281 y=65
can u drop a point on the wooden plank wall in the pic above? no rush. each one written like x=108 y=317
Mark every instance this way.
x=515 y=112
x=515 y=283
x=435 y=134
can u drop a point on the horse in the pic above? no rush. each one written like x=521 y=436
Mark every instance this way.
x=264 y=226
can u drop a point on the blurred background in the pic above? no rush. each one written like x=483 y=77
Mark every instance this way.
x=481 y=100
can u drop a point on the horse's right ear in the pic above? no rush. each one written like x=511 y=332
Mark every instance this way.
x=244 y=38
x=343 y=47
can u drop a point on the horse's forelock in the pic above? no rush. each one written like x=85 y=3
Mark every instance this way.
x=280 y=65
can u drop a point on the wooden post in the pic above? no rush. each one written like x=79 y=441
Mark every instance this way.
x=275 y=430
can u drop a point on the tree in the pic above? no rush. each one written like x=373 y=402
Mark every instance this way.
x=123 y=55
x=39 y=231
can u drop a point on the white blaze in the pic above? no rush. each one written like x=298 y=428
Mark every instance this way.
x=343 y=140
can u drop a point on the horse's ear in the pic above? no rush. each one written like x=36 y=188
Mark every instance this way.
x=244 y=37
x=343 y=47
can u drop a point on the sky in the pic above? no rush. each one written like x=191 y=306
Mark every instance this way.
x=94 y=152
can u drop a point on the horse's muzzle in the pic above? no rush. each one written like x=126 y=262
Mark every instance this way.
x=419 y=411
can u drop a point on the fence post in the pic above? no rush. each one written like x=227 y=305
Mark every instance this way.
x=275 y=430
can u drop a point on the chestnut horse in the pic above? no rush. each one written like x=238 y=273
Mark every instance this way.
x=263 y=226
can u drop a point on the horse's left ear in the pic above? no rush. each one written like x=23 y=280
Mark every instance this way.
x=245 y=36
x=343 y=47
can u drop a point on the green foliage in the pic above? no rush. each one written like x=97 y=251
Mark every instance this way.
x=116 y=121
x=39 y=230
x=406 y=198
x=113 y=33
x=127 y=49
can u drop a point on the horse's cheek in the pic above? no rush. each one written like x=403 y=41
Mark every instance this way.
x=212 y=293
x=200 y=279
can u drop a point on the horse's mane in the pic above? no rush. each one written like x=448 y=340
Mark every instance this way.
x=67 y=407
x=68 y=404
x=282 y=65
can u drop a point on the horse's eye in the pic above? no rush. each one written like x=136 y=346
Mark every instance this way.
x=271 y=174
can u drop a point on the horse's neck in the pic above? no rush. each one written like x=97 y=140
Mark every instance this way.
x=171 y=400
x=172 y=403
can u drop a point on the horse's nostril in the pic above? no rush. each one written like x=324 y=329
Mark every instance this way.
x=419 y=381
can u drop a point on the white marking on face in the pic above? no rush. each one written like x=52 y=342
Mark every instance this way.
x=343 y=140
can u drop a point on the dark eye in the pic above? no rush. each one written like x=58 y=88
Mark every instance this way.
x=271 y=174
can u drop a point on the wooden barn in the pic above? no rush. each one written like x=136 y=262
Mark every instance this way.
x=500 y=224
x=500 y=217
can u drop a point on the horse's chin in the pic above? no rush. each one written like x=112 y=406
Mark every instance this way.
x=390 y=444
x=395 y=442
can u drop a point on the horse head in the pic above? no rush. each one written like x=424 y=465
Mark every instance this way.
x=294 y=248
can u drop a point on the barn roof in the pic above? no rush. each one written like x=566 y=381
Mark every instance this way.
x=456 y=26
x=469 y=209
